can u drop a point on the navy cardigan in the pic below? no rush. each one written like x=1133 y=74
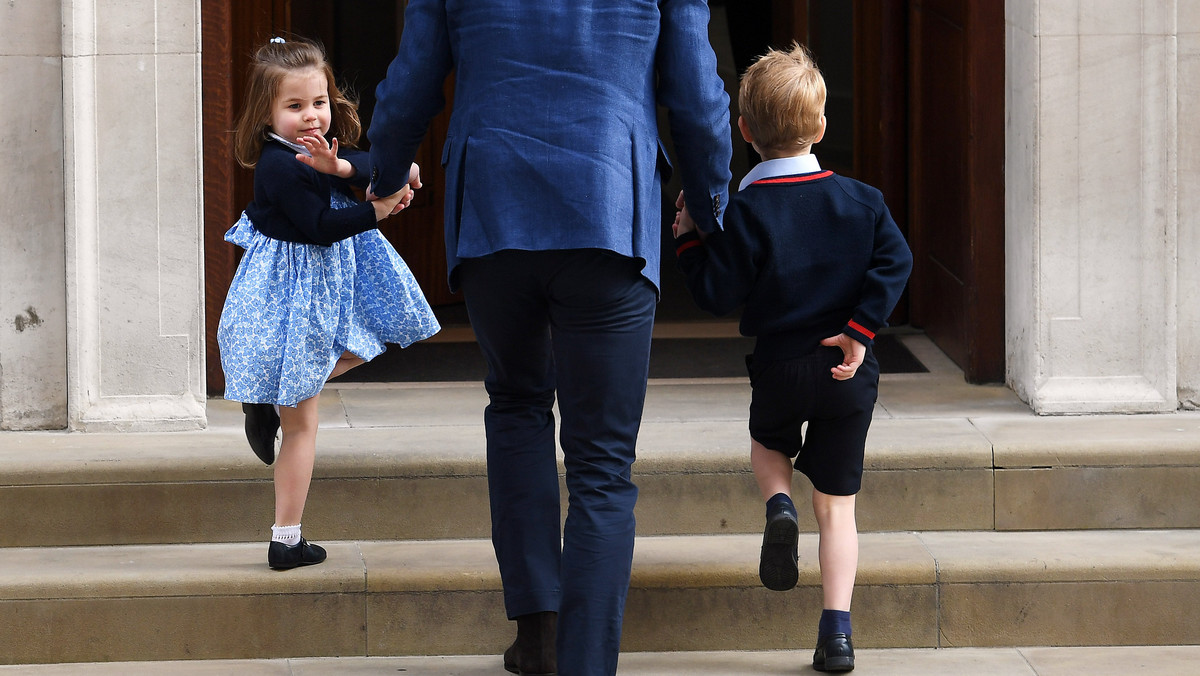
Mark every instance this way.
x=809 y=256
x=291 y=199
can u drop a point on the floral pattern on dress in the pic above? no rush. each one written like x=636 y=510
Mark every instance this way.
x=293 y=309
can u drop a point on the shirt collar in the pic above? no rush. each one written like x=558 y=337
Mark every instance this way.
x=294 y=146
x=783 y=166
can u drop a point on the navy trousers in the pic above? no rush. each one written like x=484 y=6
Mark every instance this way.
x=577 y=323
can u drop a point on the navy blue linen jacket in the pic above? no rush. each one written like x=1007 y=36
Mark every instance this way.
x=291 y=199
x=553 y=141
x=807 y=256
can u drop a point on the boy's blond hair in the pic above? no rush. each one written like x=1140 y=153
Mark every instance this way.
x=782 y=98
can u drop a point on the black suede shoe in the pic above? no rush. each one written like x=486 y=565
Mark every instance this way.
x=304 y=553
x=534 y=652
x=262 y=424
x=777 y=562
x=834 y=653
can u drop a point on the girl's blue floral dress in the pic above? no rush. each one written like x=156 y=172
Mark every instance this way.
x=293 y=309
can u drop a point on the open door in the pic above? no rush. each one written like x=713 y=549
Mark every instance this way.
x=928 y=130
x=956 y=174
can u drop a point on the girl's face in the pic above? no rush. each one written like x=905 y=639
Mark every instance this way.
x=301 y=108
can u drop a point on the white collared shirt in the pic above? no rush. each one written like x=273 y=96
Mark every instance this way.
x=783 y=166
x=294 y=146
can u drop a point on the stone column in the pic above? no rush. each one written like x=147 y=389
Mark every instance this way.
x=1189 y=204
x=131 y=89
x=33 y=305
x=1091 y=217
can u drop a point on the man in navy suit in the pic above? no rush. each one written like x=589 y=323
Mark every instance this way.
x=553 y=217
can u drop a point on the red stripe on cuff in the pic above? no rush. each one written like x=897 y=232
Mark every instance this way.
x=686 y=245
x=862 y=329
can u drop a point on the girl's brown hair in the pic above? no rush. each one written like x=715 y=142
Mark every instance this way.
x=782 y=99
x=271 y=63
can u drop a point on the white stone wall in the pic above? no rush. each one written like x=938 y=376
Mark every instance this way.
x=1189 y=204
x=33 y=319
x=135 y=335
x=1091 y=219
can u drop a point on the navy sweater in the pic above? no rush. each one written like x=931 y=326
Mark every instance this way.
x=808 y=256
x=291 y=199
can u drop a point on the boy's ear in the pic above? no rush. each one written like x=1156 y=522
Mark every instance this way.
x=820 y=134
x=745 y=129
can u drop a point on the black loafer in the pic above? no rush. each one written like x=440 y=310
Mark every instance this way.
x=262 y=424
x=304 y=553
x=777 y=563
x=834 y=653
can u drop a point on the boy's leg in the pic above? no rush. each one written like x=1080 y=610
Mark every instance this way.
x=832 y=459
x=772 y=470
x=838 y=549
x=838 y=555
x=778 y=567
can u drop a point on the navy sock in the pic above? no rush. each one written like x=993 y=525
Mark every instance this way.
x=779 y=501
x=834 y=622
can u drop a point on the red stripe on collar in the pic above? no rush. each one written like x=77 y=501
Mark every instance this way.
x=795 y=179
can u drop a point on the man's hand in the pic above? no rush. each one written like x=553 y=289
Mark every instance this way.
x=406 y=193
x=853 y=353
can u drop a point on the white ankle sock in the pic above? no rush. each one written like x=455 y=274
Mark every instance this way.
x=288 y=535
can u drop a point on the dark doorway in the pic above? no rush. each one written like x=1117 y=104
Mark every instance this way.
x=915 y=108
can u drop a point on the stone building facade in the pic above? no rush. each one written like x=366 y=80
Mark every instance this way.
x=101 y=255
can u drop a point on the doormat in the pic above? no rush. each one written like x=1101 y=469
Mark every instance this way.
x=669 y=358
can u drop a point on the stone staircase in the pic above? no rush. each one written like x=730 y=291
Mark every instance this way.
x=982 y=525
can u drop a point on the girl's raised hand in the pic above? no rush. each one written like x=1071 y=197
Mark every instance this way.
x=324 y=156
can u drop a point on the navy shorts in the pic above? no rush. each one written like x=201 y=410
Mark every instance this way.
x=789 y=393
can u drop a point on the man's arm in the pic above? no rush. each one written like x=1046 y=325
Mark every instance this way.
x=411 y=94
x=698 y=109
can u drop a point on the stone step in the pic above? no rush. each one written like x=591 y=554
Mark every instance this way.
x=442 y=597
x=409 y=463
x=1030 y=661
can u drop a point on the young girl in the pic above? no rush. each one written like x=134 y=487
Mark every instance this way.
x=318 y=290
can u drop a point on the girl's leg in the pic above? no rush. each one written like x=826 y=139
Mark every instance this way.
x=347 y=361
x=772 y=470
x=838 y=549
x=294 y=467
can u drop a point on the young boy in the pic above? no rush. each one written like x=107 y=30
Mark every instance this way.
x=817 y=264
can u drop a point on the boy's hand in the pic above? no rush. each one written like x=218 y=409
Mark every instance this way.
x=683 y=220
x=323 y=157
x=853 y=353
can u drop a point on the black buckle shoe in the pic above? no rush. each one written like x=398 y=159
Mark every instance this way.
x=262 y=424
x=534 y=652
x=777 y=564
x=303 y=553
x=834 y=653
